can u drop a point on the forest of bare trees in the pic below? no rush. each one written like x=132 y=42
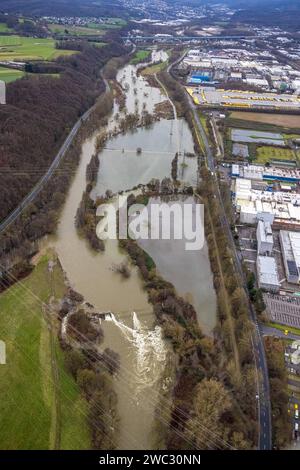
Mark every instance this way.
x=40 y=112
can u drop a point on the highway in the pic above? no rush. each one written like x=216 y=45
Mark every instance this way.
x=46 y=177
x=263 y=391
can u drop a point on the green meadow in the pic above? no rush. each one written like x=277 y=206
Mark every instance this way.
x=22 y=48
x=140 y=56
x=10 y=75
x=39 y=409
x=4 y=28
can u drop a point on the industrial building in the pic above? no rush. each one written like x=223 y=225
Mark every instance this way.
x=290 y=249
x=264 y=237
x=267 y=273
x=295 y=357
x=199 y=76
x=243 y=65
x=281 y=209
x=260 y=172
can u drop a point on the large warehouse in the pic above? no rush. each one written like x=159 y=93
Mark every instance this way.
x=264 y=237
x=260 y=172
x=267 y=273
x=281 y=208
x=290 y=249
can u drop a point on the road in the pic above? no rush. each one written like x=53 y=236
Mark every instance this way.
x=264 y=407
x=270 y=331
x=46 y=177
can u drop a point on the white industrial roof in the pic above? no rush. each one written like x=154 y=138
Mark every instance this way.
x=282 y=205
x=295 y=344
x=295 y=357
x=265 y=231
x=267 y=271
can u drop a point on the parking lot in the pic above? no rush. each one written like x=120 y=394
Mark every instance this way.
x=283 y=309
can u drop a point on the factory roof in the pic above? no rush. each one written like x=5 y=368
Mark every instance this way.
x=267 y=271
x=260 y=172
x=265 y=231
x=257 y=81
x=295 y=357
x=290 y=242
x=295 y=344
x=284 y=206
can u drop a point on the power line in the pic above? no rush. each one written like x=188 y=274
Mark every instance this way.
x=129 y=372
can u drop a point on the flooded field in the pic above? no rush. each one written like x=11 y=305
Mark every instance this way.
x=131 y=331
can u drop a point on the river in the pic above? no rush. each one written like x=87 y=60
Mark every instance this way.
x=132 y=331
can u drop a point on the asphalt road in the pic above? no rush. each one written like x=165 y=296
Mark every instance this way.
x=263 y=392
x=269 y=331
x=46 y=177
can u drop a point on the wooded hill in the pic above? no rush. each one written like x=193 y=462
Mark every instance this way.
x=39 y=114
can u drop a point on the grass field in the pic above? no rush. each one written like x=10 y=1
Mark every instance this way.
x=266 y=153
x=10 y=75
x=140 y=56
x=23 y=48
x=89 y=29
x=203 y=119
x=156 y=68
x=4 y=28
x=36 y=414
x=291 y=136
x=76 y=30
x=111 y=23
x=283 y=120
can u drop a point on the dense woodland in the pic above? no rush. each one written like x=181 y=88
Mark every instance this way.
x=64 y=7
x=281 y=423
x=40 y=112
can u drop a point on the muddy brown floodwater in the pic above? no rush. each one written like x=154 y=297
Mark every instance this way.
x=132 y=331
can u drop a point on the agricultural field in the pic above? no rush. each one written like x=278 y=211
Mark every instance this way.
x=76 y=30
x=40 y=409
x=19 y=48
x=265 y=138
x=266 y=153
x=88 y=30
x=110 y=23
x=10 y=75
x=282 y=120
